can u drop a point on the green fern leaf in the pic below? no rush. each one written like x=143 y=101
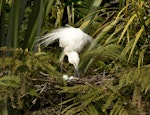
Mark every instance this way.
x=92 y=110
x=10 y=81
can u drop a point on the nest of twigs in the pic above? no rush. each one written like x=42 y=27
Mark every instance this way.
x=50 y=97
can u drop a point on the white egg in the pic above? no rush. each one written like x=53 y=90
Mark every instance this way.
x=71 y=77
x=65 y=77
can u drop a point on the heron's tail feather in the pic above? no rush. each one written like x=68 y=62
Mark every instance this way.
x=51 y=37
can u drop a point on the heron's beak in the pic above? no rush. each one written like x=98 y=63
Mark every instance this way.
x=76 y=72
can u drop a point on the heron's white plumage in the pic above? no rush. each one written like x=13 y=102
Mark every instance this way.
x=71 y=39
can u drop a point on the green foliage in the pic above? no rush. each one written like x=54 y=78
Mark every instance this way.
x=20 y=74
x=26 y=61
x=134 y=43
x=9 y=81
x=24 y=22
x=118 y=59
x=103 y=53
x=140 y=20
x=85 y=94
x=123 y=98
x=90 y=99
x=137 y=76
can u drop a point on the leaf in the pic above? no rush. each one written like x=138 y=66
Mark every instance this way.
x=141 y=57
x=108 y=52
x=12 y=35
x=106 y=29
x=6 y=61
x=34 y=25
x=10 y=81
x=126 y=27
x=93 y=7
x=91 y=109
x=137 y=36
x=29 y=64
x=2 y=22
x=110 y=38
x=48 y=4
x=71 y=109
x=33 y=92
x=127 y=48
x=108 y=102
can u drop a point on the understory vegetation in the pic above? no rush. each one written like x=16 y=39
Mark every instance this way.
x=114 y=69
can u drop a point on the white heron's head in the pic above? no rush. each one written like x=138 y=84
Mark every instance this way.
x=73 y=58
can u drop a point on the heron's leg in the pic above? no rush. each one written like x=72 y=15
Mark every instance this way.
x=61 y=60
x=61 y=69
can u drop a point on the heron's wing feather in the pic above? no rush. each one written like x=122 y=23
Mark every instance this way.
x=51 y=37
x=67 y=36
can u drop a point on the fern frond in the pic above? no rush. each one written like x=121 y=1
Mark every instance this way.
x=10 y=81
x=72 y=109
x=119 y=109
x=92 y=96
x=91 y=110
x=135 y=75
x=103 y=53
x=40 y=61
x=75 y=89
x=108 y=102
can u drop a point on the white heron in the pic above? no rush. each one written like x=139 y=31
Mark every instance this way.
x=71 y=39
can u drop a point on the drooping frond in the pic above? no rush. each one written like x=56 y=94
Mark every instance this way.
x=108 y=52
